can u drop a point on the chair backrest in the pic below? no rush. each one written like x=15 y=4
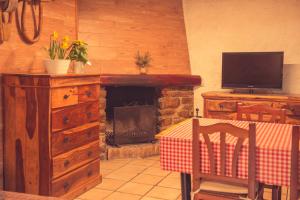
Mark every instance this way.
x=223 y=129
x=276 y=115
x=295 y=185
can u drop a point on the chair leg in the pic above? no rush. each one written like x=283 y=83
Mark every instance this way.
x=276 y=192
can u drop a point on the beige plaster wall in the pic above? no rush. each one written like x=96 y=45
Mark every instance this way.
x=216 y=26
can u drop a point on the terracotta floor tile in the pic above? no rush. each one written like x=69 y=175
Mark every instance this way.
x=142 y=162
x=170 y=182
x=135 y=188
x=132 y=168
x=153 y=158
x=149 y=198
x=113 y=164
x=156 y=164
x=155 y=172
x=121 y=175
x=110 y=184
x=174 y=175
x=147 y=179
x=105 y=172
x=94 y=194
x=164 y=193
x=122 y=196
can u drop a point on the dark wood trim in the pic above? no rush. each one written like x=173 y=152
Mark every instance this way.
x=149 y=80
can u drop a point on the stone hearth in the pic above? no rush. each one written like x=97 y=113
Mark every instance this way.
x=174 y=104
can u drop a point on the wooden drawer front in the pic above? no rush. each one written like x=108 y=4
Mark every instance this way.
x=72 y=138
x=75 y=116
x=221 y=115
x=248 y=103
x=88 y=93
x=64 y=97
x=221 y=105
x=75 y=179
x=75 y=158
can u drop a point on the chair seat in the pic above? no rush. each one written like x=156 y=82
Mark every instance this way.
x=222 y=188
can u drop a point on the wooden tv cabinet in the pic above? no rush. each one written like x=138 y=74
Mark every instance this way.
x=223 y=105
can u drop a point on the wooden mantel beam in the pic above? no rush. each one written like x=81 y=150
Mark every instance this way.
x=155 y=80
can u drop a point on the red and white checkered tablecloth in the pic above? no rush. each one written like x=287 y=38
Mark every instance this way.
x=273 y=143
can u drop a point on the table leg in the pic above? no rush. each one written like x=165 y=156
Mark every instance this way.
x=185 y=186
x=276 y=192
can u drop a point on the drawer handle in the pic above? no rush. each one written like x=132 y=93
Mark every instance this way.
x=66 y=96
x=66 y=186
x=221 y=107
x=89 y=114
x=66 y=140
x=89 y=153
x=66 y=163
x=90 y=173
x=88 y=93
x=65 y=120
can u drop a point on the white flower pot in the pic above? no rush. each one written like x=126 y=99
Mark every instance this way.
x=78 y=67
x=143 y=70
x=57 y=66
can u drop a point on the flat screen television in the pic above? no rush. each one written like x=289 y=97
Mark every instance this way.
x=252 y=69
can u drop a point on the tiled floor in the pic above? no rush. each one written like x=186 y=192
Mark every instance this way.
x=138 y=179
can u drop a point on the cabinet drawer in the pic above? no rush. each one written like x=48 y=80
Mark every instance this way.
x=75 y=116
x=220 y=105
x=72 y=138
x=75 y=158
x=61 y=97
x=74 y=180
x=88 y=93
x=221 y=115
x=249 y=103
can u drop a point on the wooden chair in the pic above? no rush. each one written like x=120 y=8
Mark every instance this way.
x=294 y=184
x=213 y=185
x=260 y=110
x=275 y=116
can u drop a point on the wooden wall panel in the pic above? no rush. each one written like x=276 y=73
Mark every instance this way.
x=117 y=29
x=17 y=56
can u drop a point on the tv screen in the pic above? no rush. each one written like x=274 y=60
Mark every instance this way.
x=252 y=70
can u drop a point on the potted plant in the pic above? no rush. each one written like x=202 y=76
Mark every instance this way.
x=143 y=61
x=79 y=53
x=57 y=51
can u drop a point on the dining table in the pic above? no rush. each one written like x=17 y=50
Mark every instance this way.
x=273 y=152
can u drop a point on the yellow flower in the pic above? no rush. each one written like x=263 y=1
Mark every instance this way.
x=55 y=35
x=64 y=45
x=66 y=39
x=79 y=42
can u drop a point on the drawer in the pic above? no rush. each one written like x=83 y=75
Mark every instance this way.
x=221 y=115
x=75 y=158
x=61 y=97
x=220 y=105
x=74 y=180
x=72 y=138
x=248 y=103
x=88 y=93
x=75 y=116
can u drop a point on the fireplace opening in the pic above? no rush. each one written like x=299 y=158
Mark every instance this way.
x=131 y=115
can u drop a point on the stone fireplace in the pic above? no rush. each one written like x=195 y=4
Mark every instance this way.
x=137 y=107
x=131 y=114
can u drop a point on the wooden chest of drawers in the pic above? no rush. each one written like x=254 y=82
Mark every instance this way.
x=223 y=105
x=51 y=140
